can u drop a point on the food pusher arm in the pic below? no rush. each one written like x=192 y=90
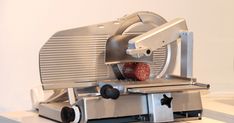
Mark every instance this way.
x=156 y=38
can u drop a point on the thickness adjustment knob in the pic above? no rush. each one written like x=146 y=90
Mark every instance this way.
x=108 y=92
x=70 y=114
x=166 y=100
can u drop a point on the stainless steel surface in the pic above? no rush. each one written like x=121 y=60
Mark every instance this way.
x=97 y=107
x=117 y=45
x=155 y=84
x=52 y=110
x=63 y=85
x=71 y=96
x=144 y=44
x=186 y=101
x=176 y=88
x=186 y=54
x=75 y=57
x=123 y=86
x=58 y=95
x=163 y=59
x=69 y=59
x=180 y=78
x=158 y=112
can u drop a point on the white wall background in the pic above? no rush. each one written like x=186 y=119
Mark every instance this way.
x=25 y=25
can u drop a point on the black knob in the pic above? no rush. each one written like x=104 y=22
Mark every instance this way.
x=67 y=115
x=166 y=100
x=108 y=92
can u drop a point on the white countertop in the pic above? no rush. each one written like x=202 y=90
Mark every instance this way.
x=217 y=109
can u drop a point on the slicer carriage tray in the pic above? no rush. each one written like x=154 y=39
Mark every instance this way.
x=159 y=85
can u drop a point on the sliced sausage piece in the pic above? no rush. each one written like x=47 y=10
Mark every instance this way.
x=142 y=71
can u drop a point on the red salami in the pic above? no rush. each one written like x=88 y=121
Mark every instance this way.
x=136 y=71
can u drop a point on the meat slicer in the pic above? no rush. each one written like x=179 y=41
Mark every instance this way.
x=83 y=67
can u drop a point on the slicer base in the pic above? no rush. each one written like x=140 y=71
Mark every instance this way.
x=127 y=108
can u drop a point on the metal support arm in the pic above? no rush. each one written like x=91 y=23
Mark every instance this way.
x=186 y=65
x=156 y=38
